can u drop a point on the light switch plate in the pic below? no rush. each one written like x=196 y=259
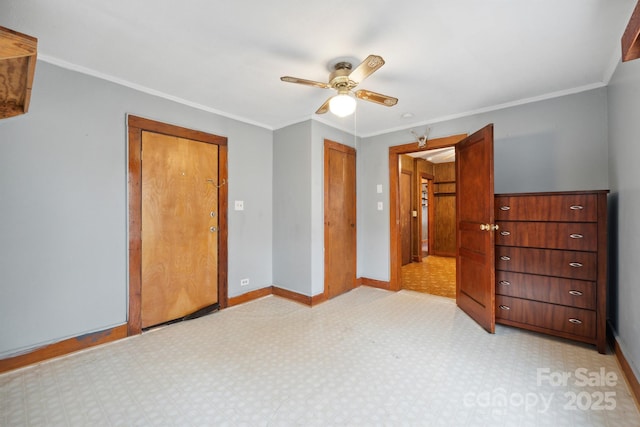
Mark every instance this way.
x=379 y=188
x=239 y=205
x=380 y=206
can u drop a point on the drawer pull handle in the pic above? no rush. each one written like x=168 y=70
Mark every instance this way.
x=575 y=264
x=505 y=233
x=505 y=258
x=576 y=208
x=575 y=321
x=575 y=293
x=576 y=236
x=504 y=307
x=505 y=208
x=504 y=283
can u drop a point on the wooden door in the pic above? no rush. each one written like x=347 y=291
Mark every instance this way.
x=405 y=216
x=179 y=227
x=340 y=218
x=475 y=266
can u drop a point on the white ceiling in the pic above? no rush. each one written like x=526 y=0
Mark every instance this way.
x=444 y=58
x=438 y=155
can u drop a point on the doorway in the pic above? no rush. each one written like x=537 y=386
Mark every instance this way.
x=431 y=268
x=179 y=207
x=395 y=158
x=475 y=254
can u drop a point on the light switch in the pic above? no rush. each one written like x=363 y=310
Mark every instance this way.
x=239 y=205
x=379 y=206
x=379 y=188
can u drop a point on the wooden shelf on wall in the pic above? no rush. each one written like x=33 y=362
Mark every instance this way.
x=631 y=37
x=17 y=66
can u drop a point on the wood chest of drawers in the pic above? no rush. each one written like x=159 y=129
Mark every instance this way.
x=551 y=267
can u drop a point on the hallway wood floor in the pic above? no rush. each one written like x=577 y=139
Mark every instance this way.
x=435 y=275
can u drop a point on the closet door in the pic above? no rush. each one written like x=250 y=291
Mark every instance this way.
x=339 y=218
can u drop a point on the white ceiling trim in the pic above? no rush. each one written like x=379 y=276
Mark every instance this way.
x=144 y=89
x=97 y=74
x=494 y=108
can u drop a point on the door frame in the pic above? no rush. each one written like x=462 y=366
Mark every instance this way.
x=135 y=126
x=429 y=178
x=395 y=254
x=411 y=218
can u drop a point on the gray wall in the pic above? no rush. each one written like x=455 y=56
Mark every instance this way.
x=624 y=208
x=320 y=132
x=298 y=220
x=292 y=208
x=552 y=145
x=63 y=205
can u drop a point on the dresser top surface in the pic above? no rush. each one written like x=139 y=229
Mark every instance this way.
x=551 y=193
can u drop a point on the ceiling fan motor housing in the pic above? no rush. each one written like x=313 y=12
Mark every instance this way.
x=339 y=79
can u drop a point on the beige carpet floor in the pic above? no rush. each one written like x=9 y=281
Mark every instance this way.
x=366 y=358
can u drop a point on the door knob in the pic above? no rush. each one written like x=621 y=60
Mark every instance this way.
x=213 y=229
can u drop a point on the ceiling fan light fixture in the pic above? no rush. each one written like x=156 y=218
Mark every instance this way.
x=343 y=104
x=344 y=78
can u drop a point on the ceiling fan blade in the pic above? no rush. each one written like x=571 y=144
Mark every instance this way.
x=378 y=98
x=366 y=68
x=324 y=107
x=305 y=82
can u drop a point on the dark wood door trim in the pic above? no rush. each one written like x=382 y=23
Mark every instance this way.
x=395 y=254
x=406 y=220
x=136 y=125
x=429 y=178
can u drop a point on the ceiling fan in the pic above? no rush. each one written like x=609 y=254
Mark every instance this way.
x=343 y=79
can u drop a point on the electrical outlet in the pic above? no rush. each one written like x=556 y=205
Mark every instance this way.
x=239 y=205
x=244 y=282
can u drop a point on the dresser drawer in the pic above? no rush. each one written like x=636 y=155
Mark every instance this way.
x=576 y=293
x=577 y=236
x=560 y=207
x=548 y=262
x=561 y=318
